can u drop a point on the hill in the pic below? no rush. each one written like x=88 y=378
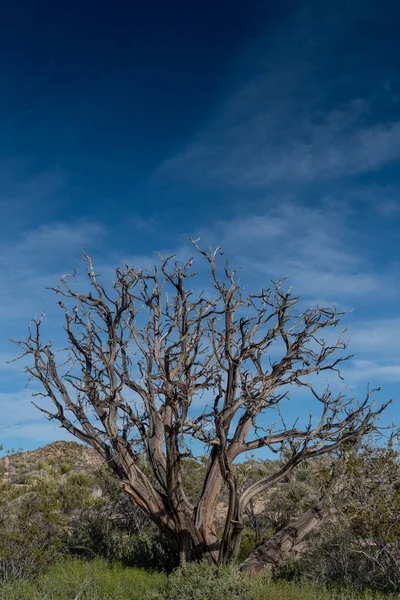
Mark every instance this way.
x=25 y=467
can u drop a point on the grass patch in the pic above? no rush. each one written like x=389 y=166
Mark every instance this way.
x=202 y=582
x=87 y=580
x=77 y=579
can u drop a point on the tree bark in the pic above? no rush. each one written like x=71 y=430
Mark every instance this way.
x=139 y=353
x=272 y=553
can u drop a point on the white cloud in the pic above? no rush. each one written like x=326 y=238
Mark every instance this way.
x=49 y=242
x=313 y=247
x=290 y=118
x=390 y=207
x=22 y=425
x=309 y=151
x=373 y=372
x=375 y=343
x=37 y=259
x=16 y=186
x=377 y=336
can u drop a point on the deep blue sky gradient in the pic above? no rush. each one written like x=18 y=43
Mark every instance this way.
x=272 y=128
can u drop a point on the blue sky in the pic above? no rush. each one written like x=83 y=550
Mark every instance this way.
x=274 y=131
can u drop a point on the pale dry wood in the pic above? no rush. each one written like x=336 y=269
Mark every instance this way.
x=140 y=353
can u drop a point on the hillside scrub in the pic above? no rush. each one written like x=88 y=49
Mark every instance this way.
x=69 y=507
x=57 y=501
x=360 y=544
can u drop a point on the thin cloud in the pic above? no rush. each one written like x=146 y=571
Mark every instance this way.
x=313 y=247
x=377 y=336
x=372 y=371
x=293 y=117
x=309 y=152
x=37 y=259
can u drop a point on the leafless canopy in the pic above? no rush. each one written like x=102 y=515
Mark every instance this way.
x=151 y=365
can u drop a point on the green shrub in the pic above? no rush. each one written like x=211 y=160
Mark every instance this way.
x=205 y=582
x=65 y=467
x=31 y=534
x=150 y=550
x=247 y=545
x=200 y=581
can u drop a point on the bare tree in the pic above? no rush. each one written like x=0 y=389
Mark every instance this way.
x=141 y=356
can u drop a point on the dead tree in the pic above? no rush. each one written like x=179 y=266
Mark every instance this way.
x=270 y=554
x=151 y=365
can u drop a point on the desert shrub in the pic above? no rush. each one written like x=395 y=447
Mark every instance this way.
x=94 y=535
x=247 y=545
x=31 y=535
x=21 y=479
x=99 y=537
x=360 y=544
x=65 y=467
x=201 y=581
x=113 y=527
x=35 y=519
x=151 y=550
x=336 y=556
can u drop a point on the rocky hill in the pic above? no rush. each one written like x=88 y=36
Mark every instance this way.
x=62 y=458
x=24 y=467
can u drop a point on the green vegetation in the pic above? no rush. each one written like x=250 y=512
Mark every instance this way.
x=69 y=532
x=87 y=580
x=72 y=579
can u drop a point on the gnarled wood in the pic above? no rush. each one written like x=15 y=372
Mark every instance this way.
x=273 y=552
x=140 y=352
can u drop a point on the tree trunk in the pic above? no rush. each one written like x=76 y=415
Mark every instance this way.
x=205 y=510
x=191 y=545
x=185 y=549
x=271 y=553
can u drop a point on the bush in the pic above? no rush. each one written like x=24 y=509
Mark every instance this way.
x=151 y=550
x=360 y=544
x=247 y=545
x=99 y=538
x=205 y=582
x=200 y=581
x=31 y=535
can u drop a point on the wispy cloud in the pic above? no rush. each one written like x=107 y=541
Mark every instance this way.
x=375 y=343
x=314 y=247
x=16 y=185
x=21 y=424
x=295 y=114
x=257 y=154
x=375 y=336
x=376 y=373
x=36 y=259
x=27 y=196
